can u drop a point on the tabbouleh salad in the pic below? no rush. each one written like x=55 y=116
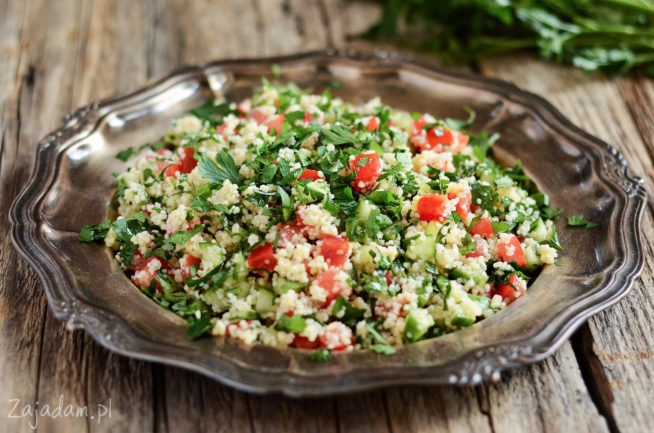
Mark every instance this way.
x=300 y=220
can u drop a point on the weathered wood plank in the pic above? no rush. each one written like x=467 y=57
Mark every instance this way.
x=618 y=343
x=28 y=44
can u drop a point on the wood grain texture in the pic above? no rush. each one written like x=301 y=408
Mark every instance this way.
x=55 y=56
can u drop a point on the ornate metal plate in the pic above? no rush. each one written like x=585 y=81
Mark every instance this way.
x=72 y=183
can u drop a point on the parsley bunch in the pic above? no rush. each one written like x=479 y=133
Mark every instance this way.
x=610 y=35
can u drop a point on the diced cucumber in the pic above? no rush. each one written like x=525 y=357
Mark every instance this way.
x=488 y=176
x=540 y=232
x=212 y=254
x=415 y=329
x=531 y=256
x=243 y=289
x=265 y=301
x=363 y=209
x=458 y=273
x=484 y=301
x=314 y=191
x=281 y=286
x=422 y=248
x=463 y=321
x=238 y=259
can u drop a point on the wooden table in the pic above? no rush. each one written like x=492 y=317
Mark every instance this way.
x=58 y=55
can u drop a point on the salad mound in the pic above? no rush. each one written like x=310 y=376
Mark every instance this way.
x=298 y=219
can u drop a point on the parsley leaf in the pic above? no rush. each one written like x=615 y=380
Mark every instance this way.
x=180 y=237
x=199 y=327
x=579 y=221
x=468 y=245
x=339 y=135
x=322 y=355
x=126 y=154
x=223 y=169
x=344 y=311
x=209 y=111
x=94 y=233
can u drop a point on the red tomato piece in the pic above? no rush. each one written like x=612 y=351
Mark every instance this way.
x=186 y=262
x=257 y=115
x=389 y=277
x=367 y=169
x=336 y=336
x=262 y=257
x=332 y=285
x=300 y=342
x=289 y=231
x=170 y=169
x=442 y=140
x=187 y=162
x=335 y=250
x=480 y=250
x=514 y=290
x=146 y=272
x=220 y=129
x=275 y=124
x=511 y=251
x=308 y=118
x=373 y=124
x=465 y=200
x=137 y=260
x=433 y=207
x=244 y=106
x=482 y=228
x=311 y=174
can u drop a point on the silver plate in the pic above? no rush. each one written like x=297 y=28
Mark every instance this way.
x=71 y=185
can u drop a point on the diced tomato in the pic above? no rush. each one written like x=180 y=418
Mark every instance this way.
x=170 y=168
x=511 y=292
x=275 y=124
x=480 y=250
x=437 y=139
x=389 y=277
x=311 y=174
x=185 y=264
x=482 y=228
x=244 y=106
x=433 y=207
x=441 y=140
x=220 y=129
x=333 y=285
x=289 y=231
x=511 y=251
x=137 y=260
x=367 y=169
x=187 y=162
x=162 y=152
x=373 y=124
x=465 y=200
x=388 y=309
x=308 y=118
x=336 y=336
x=257 y=115
x=335 y=250
x=145 y=274
x=300 y=342
x=262 y=257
